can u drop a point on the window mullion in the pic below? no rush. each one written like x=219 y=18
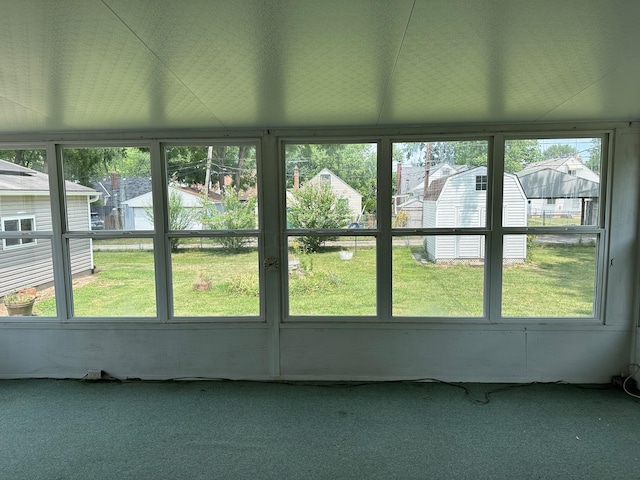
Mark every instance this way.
x=493 y=278
x=161 y=251
x=384 y=243
x=62 y=279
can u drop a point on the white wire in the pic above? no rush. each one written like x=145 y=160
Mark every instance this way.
x=624 y=384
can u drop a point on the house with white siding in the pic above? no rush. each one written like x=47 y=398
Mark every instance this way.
x=25 y=206
x=341 y=189
x=460 y=201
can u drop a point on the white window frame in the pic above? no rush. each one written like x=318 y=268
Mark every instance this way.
x=21 y=240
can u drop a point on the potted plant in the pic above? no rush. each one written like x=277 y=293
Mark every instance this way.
x=20 y=302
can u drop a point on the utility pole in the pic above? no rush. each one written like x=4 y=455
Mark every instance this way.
x=207 y=176
x=427 y=168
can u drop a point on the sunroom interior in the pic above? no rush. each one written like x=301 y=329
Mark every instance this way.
x=335 y=190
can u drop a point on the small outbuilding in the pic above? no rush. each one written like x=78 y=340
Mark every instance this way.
x=137 y=211
x=460 y=201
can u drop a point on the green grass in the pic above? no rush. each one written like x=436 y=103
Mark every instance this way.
x=558 y=280
x=327 y=285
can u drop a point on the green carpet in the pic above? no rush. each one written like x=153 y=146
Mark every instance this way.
x=65 y=429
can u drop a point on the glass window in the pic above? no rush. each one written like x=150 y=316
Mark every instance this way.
x=332 y=275
x=215 y=276
x=440 y=184
x=556 y=277
x=18 y=225
x=26 y=280
x=113 y=277
x=331 y=185
x=108 y=188
x=24 y=189
x=438 y=275
x=212 y=187
x=559 y=177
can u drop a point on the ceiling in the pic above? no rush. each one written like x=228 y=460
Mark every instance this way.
x=90 y=65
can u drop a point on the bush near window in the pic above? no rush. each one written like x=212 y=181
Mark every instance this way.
x=317 y=207
x=236 y=214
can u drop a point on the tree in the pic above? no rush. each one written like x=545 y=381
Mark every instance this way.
x=520 y=153
x=356 y=164
x=559 y=151
x=180 y=217
x=595 y=154
x=236 y=214
x=33 y=159
x=189 y=166
x=472 y=153
x=317 y=207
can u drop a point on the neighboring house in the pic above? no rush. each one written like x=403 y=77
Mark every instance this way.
x=460 y=201
x=137 y=211
x=25 y=206
x=562 y=187
x=408 y=202
x=341 y=189
x=437 y=171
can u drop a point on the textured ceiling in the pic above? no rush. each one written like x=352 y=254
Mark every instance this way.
x=122 y=64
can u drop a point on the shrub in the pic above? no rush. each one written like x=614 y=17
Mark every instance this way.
x=235 y=214
x=317 y=207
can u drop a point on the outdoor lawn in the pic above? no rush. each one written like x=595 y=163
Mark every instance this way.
x=556 y=281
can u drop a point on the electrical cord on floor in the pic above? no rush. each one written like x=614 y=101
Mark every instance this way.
x=335 y=384
x=626 y=380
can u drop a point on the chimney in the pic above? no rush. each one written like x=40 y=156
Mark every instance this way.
x=296 y=177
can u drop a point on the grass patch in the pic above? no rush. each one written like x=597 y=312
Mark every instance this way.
x=557 y=281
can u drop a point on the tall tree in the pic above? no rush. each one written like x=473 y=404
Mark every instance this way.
x=82 y=165
x=520 y=153
x=188 y=165
x=33 y=159
x=595 y=155
x=559 y=151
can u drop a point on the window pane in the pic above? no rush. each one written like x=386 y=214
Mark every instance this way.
x=11 y=225
x=26 y=225
x=113 y=278
x=560 y=178
x=108 y=188
x=335 y=277
x=331 y=186
x=24 y=186
x=216 y=277
x=556 y=280
x=212 y=187
x=455 y=174
x=438 y=276
x=23 y=269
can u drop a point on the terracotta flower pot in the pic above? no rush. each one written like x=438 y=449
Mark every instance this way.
x=22 y=309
